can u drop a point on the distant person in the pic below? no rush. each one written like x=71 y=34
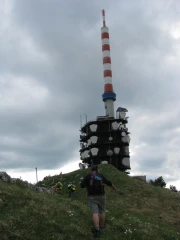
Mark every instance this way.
x=72 y=189
x=94 y=182
x=58 y=187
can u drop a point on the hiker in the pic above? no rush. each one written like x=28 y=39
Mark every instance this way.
x=58 y=187
x=94 y=182
x=72 y=189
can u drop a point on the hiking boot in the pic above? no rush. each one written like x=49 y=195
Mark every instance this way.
x=101 y=227
x=96 y=233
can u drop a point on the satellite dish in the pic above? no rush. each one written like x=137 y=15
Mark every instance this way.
x=126 y=139
x=116 y=150
x=110 y=138
x=89 y=142
x=123 y=134
x=94 y=151
x=115 y=125
x=93 y=139
x=82 y=155
x=126 y=162
x=126 y=148
x=86 y=153
x=109 y=153
x=104 y=162
x=93 y=127
x=80 y=166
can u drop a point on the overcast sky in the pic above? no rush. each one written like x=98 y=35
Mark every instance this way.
x=51 y=72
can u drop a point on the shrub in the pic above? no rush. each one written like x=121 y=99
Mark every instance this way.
x=158 y=182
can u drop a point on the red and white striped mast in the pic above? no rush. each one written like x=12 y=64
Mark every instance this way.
x=109 y=96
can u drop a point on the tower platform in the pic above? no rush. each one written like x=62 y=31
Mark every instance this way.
x=106 y=139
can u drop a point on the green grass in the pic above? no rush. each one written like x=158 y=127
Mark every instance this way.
x=143 y=212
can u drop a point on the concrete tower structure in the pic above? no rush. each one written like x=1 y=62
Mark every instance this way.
x=106 y=139
x=109 y=96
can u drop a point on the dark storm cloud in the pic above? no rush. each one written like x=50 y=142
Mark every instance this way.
x=51 y=72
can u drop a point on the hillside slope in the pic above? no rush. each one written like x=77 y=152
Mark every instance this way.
x=143 y=212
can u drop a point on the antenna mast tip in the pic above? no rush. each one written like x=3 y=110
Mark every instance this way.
x=103 y=16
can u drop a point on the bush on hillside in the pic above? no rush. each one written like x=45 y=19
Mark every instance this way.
x=20 y=183
x=173 y=188
x=158 y=182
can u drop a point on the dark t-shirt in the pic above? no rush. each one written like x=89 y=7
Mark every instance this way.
x=90 y=191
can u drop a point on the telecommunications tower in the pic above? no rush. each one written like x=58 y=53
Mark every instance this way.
x=106 y=139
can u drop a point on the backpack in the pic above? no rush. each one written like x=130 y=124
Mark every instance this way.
x=59 y=185
x=72 y=187
x=96 y=183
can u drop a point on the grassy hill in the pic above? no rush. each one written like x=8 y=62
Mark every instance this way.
x=143 y=212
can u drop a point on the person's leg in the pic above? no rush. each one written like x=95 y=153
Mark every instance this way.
x=95 y=211
x=96 y=231
x=93 y=203
x=102 y=211
x=95 y=219
x=101 y=219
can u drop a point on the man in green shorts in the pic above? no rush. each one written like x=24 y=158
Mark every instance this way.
x=94 y=182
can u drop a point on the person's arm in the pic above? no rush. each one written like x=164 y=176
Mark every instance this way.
x=114 y=187
x=109 y=183
x=84 y=182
